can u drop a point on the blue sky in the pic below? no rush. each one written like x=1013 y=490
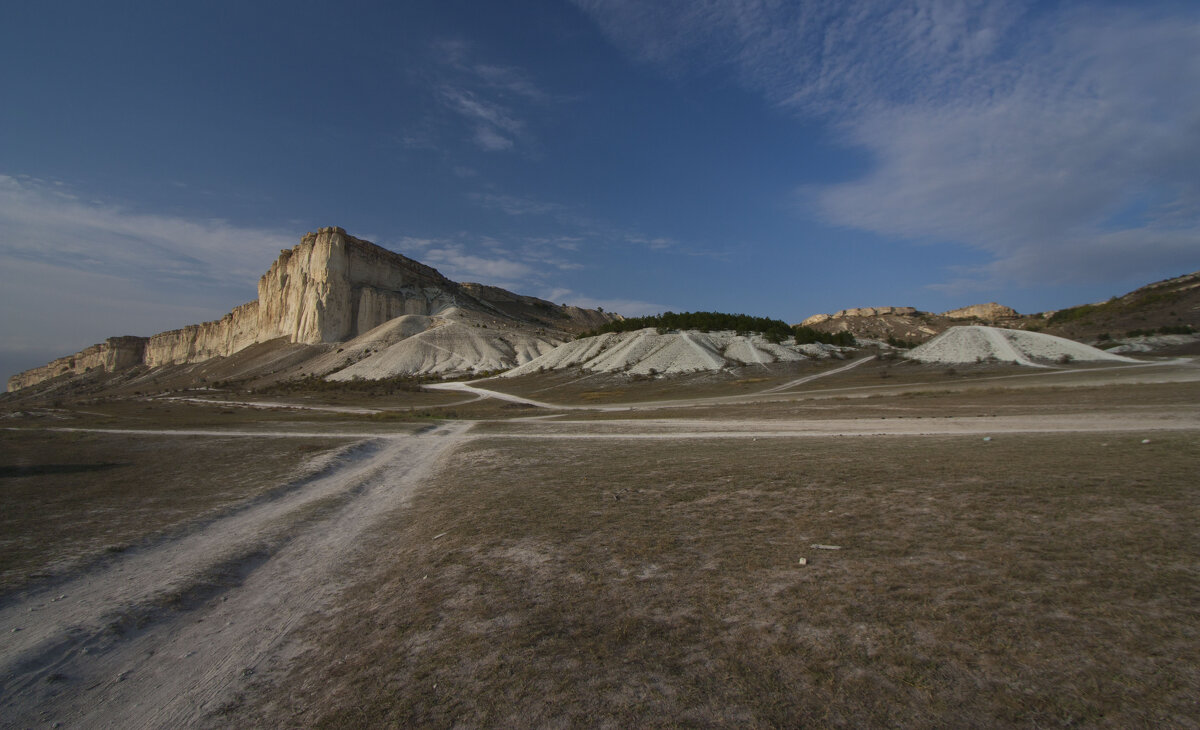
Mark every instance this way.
x=773 y=158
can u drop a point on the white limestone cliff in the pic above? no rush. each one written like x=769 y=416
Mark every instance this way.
x=331 y=287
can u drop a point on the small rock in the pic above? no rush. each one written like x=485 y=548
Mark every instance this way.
x=987 y=438
x=1145 y=441
x=802 y=561
x=818 y=546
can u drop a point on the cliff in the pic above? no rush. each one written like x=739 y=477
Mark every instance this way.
x=331 y=287
x=115 y=353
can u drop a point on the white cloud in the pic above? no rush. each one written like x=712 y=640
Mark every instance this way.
x=73 y=272
x=1060 y=141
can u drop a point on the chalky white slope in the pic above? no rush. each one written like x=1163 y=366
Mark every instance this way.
x=453 y=341
x=646 y=352
x=978 y=343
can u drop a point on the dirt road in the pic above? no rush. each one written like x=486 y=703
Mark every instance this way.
x=166 y=635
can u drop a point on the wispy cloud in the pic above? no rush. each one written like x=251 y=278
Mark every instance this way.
x=78 y=271
x=1060 y=140
x=456 y=262
x=583 y=226
x=514 y=205
x=492 y=99
x=44 y=223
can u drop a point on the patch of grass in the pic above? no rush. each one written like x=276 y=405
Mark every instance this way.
x=1030 y=580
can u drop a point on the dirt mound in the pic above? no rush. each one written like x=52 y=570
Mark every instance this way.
x=646 y=352
x=979 y=344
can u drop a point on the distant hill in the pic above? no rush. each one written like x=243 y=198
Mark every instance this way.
x=1164 y=307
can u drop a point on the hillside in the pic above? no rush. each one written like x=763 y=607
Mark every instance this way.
x=1164 y=305
x=1168 y=306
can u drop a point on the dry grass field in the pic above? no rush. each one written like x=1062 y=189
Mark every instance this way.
x=71 y=498
x=1043 y=580
x=653 y=566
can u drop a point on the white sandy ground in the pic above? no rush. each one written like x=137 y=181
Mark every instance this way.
x=977 y=343
x=257 y=572
x=645 y=352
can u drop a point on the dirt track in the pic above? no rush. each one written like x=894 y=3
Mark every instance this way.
x=166 y=635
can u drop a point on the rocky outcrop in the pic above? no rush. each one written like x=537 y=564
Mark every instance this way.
x=860 y=312
x=990 y=312
x=115 y=353
x=194 y=343
x=331 y=287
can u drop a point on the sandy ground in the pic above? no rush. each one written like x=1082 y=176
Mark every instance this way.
x=171 y=633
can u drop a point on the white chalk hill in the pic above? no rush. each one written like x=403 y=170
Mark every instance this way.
x=452 y=341
x=646 y=352
x=978 y=343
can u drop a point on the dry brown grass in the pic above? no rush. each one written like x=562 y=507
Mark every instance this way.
x=70 y=498
x=936 y=400
x=1028 y=581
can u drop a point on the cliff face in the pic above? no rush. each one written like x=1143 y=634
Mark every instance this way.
x=115 y=353
x=194 y=343
x=331 y=287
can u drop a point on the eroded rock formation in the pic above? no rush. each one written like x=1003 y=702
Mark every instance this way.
x=115 y=353
x=331 y=287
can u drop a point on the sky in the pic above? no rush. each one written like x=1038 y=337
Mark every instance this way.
x=773 y=158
